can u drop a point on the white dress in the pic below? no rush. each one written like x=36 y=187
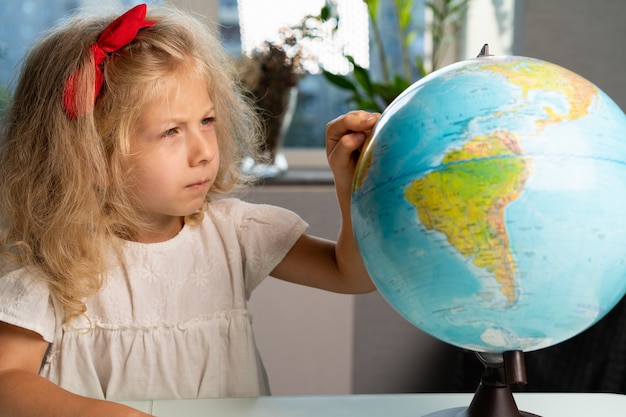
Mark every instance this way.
x=173 y=322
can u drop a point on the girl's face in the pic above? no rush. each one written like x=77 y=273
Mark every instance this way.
x=175 y=154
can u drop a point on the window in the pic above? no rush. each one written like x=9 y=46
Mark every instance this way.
x=247 y=23
x=318 y=102
x=351 y=36
x=21 y=23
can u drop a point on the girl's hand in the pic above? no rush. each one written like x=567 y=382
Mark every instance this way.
x=346 y=135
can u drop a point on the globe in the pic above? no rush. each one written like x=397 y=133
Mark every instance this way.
x=489 y=204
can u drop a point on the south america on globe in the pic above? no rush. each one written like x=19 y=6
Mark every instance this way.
x=489 y=205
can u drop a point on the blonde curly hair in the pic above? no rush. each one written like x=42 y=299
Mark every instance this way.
x=65 y=185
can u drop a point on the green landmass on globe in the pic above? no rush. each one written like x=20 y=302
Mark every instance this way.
x=487 y=204
x=472 y=217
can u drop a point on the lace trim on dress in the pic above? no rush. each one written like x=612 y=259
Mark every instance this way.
x=220 y=315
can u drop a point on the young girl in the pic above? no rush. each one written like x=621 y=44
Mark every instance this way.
x=125 y=271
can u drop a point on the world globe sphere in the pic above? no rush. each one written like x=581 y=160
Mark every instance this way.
x=489 y=204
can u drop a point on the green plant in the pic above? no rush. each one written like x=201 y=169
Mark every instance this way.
x=4 y=91
x=4 y=99
x=269 y=75
x=371 y=94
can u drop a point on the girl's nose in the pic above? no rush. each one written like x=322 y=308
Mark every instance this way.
x=202 y=148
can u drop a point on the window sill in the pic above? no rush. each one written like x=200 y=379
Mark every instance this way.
x=306 y=157
x=300 y=176
x=305 y=167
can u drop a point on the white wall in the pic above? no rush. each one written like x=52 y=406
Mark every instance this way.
x=305 y=335
x=488 y=22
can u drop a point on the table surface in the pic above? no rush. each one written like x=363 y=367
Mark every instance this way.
x=392 y=405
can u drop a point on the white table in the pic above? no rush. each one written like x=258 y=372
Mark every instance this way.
x=394 y=405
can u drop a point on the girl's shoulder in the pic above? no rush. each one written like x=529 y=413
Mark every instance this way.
x=23 y=278
x=238 y=211
x=26 y=301
x=23 y=285
x=226 y=210
x=228 y=203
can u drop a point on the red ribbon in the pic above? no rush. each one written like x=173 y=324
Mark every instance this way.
x=117 y=35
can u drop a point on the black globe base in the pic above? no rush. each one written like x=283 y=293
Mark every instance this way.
x=494 y=397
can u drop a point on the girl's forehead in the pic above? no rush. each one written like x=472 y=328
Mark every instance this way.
x=172 y=85
x=177 y=98
x=184 y=74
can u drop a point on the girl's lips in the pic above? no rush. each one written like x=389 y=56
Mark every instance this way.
x=198 y=185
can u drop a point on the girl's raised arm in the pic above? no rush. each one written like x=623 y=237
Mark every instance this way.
x=335 y=266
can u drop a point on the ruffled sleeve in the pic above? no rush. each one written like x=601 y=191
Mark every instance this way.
x=27 y=302
x=266 y=234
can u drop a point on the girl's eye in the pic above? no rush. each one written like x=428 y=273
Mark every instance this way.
x=208 y=120
x=170 y=132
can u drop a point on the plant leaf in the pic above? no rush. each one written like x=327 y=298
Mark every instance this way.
x=372 y=8
x=340 y=81
x=362 y=76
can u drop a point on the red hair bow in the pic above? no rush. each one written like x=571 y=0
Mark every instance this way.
x=117 y=35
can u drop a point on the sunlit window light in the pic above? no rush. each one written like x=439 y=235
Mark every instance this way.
x=262 y=21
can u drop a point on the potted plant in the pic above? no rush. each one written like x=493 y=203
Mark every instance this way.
x=270 y=76
x=367 y=92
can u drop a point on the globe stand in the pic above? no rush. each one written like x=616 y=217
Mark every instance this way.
x=494 y=397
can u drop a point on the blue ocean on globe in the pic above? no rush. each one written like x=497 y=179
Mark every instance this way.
x=489 y=204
